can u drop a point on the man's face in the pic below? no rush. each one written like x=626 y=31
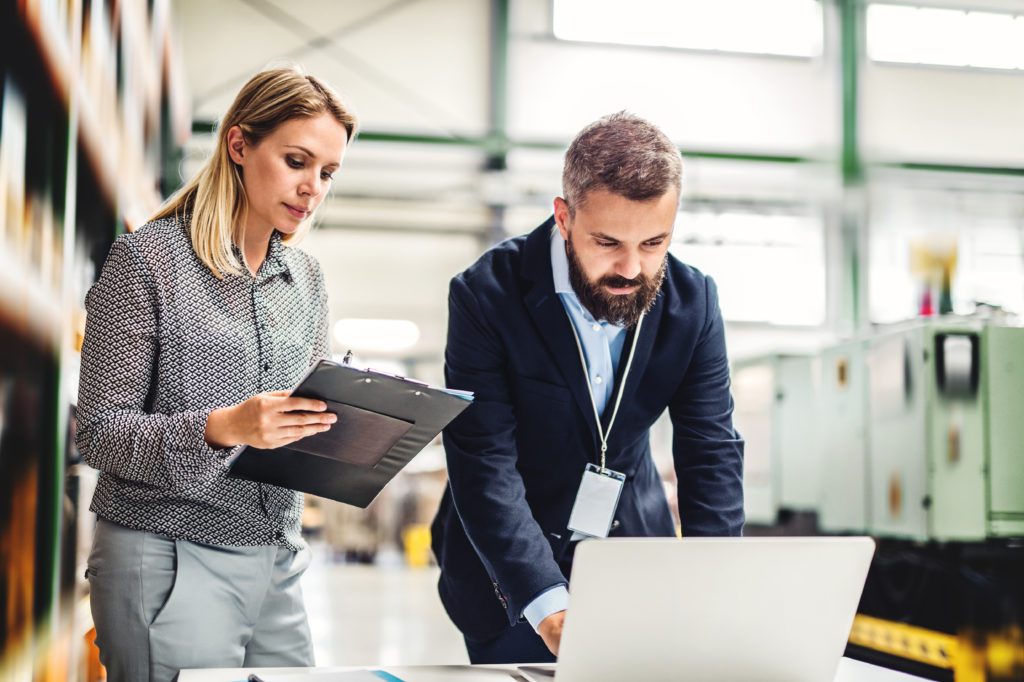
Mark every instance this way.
x=616 y=249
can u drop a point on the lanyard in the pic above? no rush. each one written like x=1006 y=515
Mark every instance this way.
x=601 y=433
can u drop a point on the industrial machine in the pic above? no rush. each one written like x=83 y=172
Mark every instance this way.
x=945 y=423
x=914 y=435
x=775 y=410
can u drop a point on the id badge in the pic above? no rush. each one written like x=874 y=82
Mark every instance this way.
x=596 y=501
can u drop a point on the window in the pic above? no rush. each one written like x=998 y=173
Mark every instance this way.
x=777 y=27
x=768 y=267
x=982 y=231
x=945 y=37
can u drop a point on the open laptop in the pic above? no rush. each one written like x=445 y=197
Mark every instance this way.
x=711 y=609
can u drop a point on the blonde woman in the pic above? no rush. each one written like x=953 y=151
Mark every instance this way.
x=199 y=323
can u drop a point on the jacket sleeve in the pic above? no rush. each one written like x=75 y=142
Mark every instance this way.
x=707 y=450
x=488 y=491
x=116 y=433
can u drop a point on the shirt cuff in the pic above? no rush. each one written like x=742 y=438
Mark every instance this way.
x=551 y=600
x=221 y=457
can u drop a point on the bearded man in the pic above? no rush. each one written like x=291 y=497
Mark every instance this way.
x=575 y=338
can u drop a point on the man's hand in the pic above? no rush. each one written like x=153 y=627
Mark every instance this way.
x=550 y=630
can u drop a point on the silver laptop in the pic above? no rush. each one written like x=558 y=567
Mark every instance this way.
x=712 y=609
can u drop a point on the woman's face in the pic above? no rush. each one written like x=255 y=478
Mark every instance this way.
x=288 y=173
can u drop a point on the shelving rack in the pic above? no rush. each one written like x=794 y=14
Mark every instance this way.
x=92 y=109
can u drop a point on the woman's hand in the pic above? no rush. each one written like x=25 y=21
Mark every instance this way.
x=267 y=421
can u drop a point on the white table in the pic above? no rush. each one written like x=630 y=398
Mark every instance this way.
x=849 y=671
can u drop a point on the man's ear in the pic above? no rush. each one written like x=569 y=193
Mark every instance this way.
x=236 y=144
x=562 y=217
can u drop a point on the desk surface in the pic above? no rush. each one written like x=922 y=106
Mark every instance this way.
x=849 y=671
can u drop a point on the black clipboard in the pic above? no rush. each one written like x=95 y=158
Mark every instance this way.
x=383 y=422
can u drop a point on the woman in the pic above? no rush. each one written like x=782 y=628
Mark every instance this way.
x=198 y=324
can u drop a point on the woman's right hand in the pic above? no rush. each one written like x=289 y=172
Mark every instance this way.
x=267 y=421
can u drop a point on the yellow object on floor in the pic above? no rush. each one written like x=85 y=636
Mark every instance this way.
x=416 y=538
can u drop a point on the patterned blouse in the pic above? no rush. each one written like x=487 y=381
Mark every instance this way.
x=166 y=343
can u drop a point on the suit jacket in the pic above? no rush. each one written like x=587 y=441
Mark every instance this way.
x=517 y=454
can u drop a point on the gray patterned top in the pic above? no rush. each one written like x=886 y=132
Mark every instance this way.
x=165 y=344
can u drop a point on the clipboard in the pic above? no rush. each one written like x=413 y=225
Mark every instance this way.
x=383 y=422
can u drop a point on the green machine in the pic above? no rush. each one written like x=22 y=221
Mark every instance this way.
x=945 y=431
x=841 y=408
x=775 y=397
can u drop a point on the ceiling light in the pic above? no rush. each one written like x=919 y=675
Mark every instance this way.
x=382 y=336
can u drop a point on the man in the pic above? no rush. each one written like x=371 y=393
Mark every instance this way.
x=587 y=315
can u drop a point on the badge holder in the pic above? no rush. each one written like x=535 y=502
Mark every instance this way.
x=596 y=501
x=598 y=496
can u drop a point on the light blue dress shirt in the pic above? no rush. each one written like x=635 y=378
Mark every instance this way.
x=602 y=341
x=602 y=344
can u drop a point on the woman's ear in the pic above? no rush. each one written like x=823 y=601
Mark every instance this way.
x=236 y=144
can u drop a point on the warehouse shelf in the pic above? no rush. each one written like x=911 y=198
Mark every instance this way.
x=119 y=166
x=26 y=305
x=85 y=92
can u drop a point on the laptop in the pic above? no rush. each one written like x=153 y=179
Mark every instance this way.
x=712 y=609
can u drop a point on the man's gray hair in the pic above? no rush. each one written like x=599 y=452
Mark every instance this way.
x=624 y=154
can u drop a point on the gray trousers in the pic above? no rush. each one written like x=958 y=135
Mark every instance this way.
x=161 y=605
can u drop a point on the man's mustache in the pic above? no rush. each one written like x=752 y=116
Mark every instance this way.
x=619 y=282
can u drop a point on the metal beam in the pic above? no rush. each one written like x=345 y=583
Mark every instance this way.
x=852 y=314
x=498 y=105
x=491 y=144
x=850 y=42
x=316 y=42
x=331 y=47
x=496 y=163
x=953 y=168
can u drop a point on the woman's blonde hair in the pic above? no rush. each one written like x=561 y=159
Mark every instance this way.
x=214 y=200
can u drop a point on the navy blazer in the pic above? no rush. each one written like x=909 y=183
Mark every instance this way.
x=517 y=454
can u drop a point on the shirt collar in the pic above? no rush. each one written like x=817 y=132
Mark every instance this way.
x=275 y=263
x=560 y=265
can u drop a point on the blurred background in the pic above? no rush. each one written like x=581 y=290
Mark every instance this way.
x=853 y=180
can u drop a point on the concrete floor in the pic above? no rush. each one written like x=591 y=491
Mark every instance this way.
x=374 y=615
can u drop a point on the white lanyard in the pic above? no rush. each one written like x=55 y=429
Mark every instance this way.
x=602 y=434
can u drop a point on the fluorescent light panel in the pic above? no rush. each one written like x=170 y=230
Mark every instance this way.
x=382 y=336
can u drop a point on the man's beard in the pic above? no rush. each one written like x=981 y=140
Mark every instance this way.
x=623 y=310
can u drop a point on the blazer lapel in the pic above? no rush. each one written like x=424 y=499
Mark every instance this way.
x=552 y=322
